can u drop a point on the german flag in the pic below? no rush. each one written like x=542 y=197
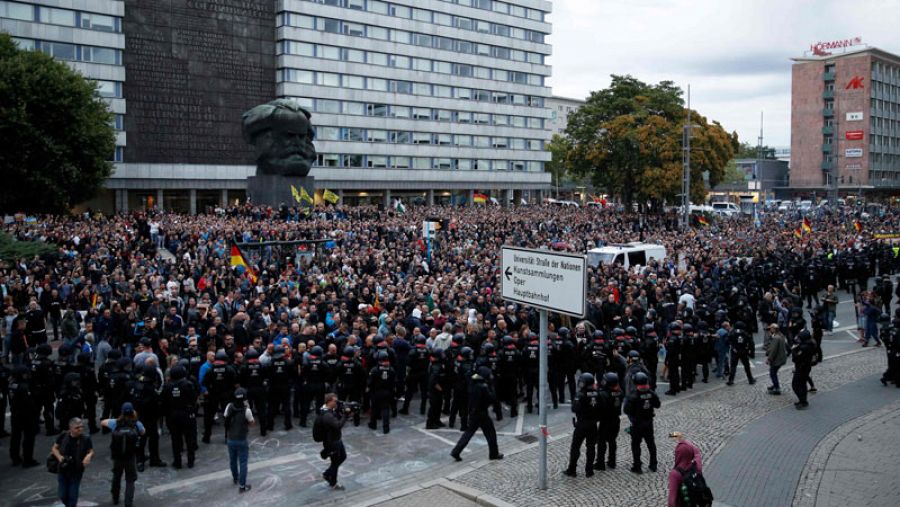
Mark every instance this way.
x=807 y=227
x=798 y=233
x=702 y=220
x=857 y=226
x=238 y=261
x=480 y=198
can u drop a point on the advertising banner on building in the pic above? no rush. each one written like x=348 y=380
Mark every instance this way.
x=853 y=153
x=855 y=116
x=854 y=135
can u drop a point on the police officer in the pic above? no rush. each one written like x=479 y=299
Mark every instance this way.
x=71 y=400
x=104 y=383
x=119 y=382
x=195 y=358
x=438 y=387
x=456 y=344
x=673 y=358
x=649 y=350
x=312 y=373
x=463 y=368
x=566 y=362
x=508 y=379
x=611 y=398
x=741 y=348
x=351 y=380
x=381 y=384
x=42 y=385
x=892 y=348
x=635 y=366
x=640 y=408
x=688 y=357
x=595 y=355
x=802 y=353
x=488 y=357
x=416 y=375
x=179 y=398
x=4 y=395
x=586 y=408
x=144 y=394
x=220 y=382
x=89 y=390
x=481 y=398
x=283 y=372
x=531 y=365
x=704 y=350
x=25 y=407
x=254 y=377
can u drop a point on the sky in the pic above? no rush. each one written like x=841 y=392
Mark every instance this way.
x=735 y=54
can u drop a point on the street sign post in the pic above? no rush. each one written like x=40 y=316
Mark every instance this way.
x=551 y=282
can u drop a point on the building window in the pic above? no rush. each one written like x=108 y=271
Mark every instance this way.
x=99 y=22
x=328 y=133
x=328 y=106
x=400 y=137
x=400 y=111
x=377 y=161
x=354 y=82
x=353 y=134
x=421 y=113
x=400 y=162
x=421 y=138
x=109 y=89
x=329 y=160
x=354 y=29
x=421 y=163
x=56 y=16
x=464 y=164
x=444 y=164
x=377 y=136
x=353 y=160
x=499 y=165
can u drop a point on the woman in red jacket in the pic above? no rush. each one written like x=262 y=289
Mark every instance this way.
x=685 y=454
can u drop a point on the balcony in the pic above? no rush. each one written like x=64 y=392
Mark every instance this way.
x=828 y=76
x=828 y=112
x=827 y=166
x=828 y=130
x=828 y=94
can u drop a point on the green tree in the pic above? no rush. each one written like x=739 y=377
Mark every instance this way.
x=628 y=140
x=747 y=150
x=559 y=166
x=56 y=132
x=732 y=175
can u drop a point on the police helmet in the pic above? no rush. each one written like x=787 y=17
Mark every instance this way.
x=688 y=328
x=649 y=329
x=487 y=347
x=64 y=350
x=458 y=338
x=420 y=340
x=317 y=351
x=221 y=356
x=611 y=379
x=484 y=372
x=804 y=335
x=740 y=325
x=885 y=318
x=641 y=379
x=437 y=353
x=467 y=353
x=123 y=364
x=563 y=331
x=598 y=335
x=349 y=351
x=178 y=372
x=72 y=378
x=617 y=332
x=382 y=356
x=114 y=354
x=631 y=331
x=633 y=354
x=586 y=379
x=252 y=354
x=675 y=326
x=508 y=340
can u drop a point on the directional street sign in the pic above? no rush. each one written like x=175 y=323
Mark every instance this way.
x=545 y=279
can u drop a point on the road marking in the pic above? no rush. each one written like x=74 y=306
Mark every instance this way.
x=520 y=422
x=432 y=435
x=226 y=474
x=454 y=430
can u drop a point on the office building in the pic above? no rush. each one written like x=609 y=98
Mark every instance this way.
x=560 y=109
x=845 y=122
x=422 y=100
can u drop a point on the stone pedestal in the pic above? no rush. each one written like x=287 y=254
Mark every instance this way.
x=273 y=190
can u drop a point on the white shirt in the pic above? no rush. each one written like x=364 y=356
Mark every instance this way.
x=688 y=300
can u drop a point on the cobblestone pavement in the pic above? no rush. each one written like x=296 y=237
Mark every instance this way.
x=433 y=496
x=848 y=466
x=709 y=418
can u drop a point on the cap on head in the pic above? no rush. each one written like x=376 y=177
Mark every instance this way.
x=127 y=408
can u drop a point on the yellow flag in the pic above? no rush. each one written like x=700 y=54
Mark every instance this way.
x=304 y=196
x=330 y=196
x=295 y=193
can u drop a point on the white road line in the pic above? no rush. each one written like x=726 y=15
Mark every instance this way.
x=453 y=430
x=226 y=474
x=520 y=422
x=432 y=435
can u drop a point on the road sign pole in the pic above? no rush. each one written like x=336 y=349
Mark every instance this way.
x=542 y=403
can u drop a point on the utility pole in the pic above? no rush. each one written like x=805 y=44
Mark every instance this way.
x=686 y=161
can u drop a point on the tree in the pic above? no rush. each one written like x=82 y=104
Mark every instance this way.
x=559 y=148
x=628 y=140
x=57 y=134
x=747 y=150
x=12 y=249
x=732 y=175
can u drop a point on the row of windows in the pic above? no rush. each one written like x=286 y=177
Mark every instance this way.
x=118 y=122
x=885 y=141
x=404 y=37
x=886 y=71
x=885 y=123
x=404 y=87
x=119 y=154
x=64 y=17
x=408 y=63
x=882 y=107
x=327 y=106
x=450 y=164
x=438 y=18
x=73 y=52
x=109 y=89
x=488 y=5
x=354 y=134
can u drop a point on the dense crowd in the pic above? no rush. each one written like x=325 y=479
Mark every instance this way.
x=380 y=316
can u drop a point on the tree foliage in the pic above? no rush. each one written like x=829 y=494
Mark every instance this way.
x=628 y=140
x=747 y=150
x=12 y=249
x=559 y=148
x=57 y=137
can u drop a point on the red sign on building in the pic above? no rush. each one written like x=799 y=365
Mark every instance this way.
x=854 y=135
x=855 y=84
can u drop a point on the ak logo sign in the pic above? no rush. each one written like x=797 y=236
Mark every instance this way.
x=855 y=84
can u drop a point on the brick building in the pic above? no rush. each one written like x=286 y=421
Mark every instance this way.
x=845 y=122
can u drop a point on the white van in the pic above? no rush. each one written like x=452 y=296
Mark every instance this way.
x=725 y=208
x=628 y=255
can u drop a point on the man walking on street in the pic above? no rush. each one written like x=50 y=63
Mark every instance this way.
x=126 y=432
x=481 y=398
x=238 y=418
x=332 y=421
x=776 y=356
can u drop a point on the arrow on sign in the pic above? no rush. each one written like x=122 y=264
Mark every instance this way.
x=508 y=273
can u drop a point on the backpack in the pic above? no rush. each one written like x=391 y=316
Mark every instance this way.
x=124 y=441
x=319 y=430
x=693 y=491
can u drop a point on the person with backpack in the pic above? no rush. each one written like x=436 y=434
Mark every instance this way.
x=687 y=487
x=238 y=418
x=127 y=431
x=776 y=357
x=327 y=430
x=73 y=451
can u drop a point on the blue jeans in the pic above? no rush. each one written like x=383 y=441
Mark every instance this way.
x=829 y=321
x=238 y=450
x=773 y=374
x=721 y=362
x=68 y=489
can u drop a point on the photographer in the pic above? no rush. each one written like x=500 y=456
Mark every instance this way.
x=328 y=424
x=74 y=451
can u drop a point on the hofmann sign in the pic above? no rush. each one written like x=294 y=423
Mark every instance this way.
x=543 y=279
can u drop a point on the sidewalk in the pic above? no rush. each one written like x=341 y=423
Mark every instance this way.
x=710 y=419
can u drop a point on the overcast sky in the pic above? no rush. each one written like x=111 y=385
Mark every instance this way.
x=735 y=54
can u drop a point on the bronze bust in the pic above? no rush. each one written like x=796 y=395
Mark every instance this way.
x=282 y=135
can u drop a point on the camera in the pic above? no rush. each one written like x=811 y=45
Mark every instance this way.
x=348 y=407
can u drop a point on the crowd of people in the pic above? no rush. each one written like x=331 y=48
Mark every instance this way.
x=147 y=310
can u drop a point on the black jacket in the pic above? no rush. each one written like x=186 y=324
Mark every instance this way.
x=333 y=422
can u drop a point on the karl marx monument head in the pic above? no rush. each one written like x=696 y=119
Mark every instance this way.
x=282 y=135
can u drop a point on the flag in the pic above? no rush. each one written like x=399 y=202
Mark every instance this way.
x=481 y=198
x=94 y=300
x=376 y=305
x=330 y=196
x=399 y=207
x=304 y=196
x=595 y=199
x=702 y=220
x=237 y=260
x=807 y=227
x=857 y=226
x=798 y=233
x=295 y=194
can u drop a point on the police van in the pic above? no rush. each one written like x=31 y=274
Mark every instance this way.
x=627 y=255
